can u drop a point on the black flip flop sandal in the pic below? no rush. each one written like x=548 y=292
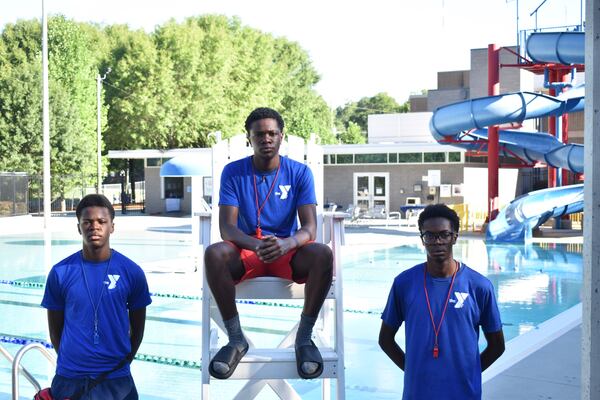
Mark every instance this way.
x=308 y=353
x=229 y=355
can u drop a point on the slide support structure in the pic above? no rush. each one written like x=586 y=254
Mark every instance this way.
x=493 y=141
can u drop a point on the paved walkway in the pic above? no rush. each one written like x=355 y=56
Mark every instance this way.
x=551 y=373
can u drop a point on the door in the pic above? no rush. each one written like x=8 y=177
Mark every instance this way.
x=371 y=190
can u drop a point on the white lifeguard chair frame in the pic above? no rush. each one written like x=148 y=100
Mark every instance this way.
x=262 y=367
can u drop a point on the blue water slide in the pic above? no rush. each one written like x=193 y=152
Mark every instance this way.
x=463 y=124
x=516 y=221
x=557 y=47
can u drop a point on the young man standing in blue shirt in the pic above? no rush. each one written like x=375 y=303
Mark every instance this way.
x=443 y=303
x=261 y=197
x=96 y=300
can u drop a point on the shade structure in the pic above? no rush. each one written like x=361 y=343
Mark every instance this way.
x=187 y=165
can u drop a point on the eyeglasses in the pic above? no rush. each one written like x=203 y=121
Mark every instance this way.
x=442 y=237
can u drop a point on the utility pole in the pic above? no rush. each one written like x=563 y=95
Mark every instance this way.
x=99 y=80
x=47 y=193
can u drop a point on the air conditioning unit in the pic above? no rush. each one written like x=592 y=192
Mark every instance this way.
x=413 y=201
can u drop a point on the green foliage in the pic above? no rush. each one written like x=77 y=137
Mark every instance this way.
x=72 y=65
x=73 y=120
x=358 y=112
x=352 y=135
x=174 y=87
x=20 y=98
x=167 y=89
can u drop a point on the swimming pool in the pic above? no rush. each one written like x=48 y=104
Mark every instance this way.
x=532 y=284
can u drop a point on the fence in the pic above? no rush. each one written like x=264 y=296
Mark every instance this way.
x=473 y=220
x=22 y=194
x=576 y=220
x=470 y=219
x=13 y=193
x=78 y=186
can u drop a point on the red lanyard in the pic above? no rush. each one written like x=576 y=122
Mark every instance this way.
x=259 y=209
x=436 y=330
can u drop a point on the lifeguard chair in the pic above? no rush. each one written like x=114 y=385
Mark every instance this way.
x=271 y=367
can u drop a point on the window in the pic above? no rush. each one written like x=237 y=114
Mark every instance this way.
x=325 y=159
x=370 y=158
x=476 y=159
x=154 y=162
x=454 y=156
x=434 y=157
x=393 y=157
x=410 y=157
x=174 y=187
x=344 y=159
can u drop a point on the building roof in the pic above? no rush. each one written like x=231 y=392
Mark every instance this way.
x=384 y=147
x=388 y=148
x=153 y=153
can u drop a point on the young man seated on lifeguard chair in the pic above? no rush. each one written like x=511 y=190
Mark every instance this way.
x=260 y=198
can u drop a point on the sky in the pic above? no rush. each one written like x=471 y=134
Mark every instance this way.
x=359 y=48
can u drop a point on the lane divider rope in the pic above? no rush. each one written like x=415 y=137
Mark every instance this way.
x=38 y=285
x=177 y=362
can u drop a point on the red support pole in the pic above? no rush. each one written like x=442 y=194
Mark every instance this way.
x=565 y=222
x=493 y=146
x=552 y=77
x=566 y=77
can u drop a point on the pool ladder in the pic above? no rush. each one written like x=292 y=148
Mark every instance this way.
x=17 y=368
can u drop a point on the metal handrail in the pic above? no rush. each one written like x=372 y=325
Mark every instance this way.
x=22 y=370
x=16 y=367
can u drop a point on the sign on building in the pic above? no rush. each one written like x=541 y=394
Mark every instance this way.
x=434 y=177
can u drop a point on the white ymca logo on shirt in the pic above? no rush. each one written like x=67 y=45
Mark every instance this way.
x=113 y=281
x=461 y=297
x=284 y=191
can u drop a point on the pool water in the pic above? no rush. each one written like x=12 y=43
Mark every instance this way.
x=532 y=284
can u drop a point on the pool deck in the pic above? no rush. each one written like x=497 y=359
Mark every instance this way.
x=541 y=364
x=551 y=372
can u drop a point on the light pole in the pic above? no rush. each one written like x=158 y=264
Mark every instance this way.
x=99 y=80
x=45 y=122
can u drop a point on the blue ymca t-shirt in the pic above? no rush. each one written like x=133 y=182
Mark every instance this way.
x=125 y=288
x=456 y=373
x=294 y=188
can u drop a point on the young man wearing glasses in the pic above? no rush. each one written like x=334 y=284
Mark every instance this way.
x=443 y=303
x=260 y=199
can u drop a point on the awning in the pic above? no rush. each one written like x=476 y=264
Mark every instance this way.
x=187 y=165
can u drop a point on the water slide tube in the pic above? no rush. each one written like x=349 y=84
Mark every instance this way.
x=515 y=222
x=463 y=124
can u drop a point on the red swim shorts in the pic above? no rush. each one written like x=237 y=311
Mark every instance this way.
x=254 y=267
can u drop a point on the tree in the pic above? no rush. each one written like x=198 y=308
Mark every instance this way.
x=352 y=135
x=206 y=74
x=358 y=112
x=72 y=60
x=20 y=98
x=140 y=93
x=167 y=89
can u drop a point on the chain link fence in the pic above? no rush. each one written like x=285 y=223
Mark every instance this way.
x=14 y=194
x=22 y=194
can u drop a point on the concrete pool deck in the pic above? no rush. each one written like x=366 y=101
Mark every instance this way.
x=552 y=372
x=541 y=364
